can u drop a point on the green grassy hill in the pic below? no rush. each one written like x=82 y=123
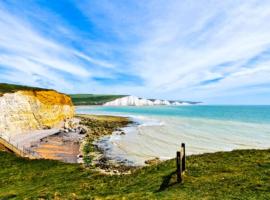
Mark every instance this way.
x=93 y=99
x=10 y=88
x=78 y=99
x=242 y=174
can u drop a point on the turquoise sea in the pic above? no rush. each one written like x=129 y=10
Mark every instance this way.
x=257 y=114
x=161 y=129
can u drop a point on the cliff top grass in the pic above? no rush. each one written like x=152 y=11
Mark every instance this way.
x=93 y=99
x=241 y=174
x=46 y=96
x=11 y=88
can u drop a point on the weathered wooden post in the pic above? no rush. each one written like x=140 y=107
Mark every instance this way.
x=178 y=167
x=184 y=157
x=181 y=162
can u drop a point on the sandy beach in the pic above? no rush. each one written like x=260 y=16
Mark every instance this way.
x=160 y=131
x=70 y=144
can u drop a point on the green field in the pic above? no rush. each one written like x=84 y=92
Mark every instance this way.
x=92 y=99
x=10 y=88
x=78 y=99
x=242 y=174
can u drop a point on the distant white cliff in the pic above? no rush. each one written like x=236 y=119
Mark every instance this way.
x=136 y=101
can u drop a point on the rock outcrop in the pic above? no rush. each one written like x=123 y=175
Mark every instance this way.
x=26 y=110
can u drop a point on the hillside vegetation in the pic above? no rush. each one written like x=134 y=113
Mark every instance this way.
x=10 y=88
x=92 y=99
x=241 y=174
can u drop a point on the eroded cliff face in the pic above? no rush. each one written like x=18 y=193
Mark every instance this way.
x=30 y=110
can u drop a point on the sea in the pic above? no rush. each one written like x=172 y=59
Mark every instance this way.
x=158 y=131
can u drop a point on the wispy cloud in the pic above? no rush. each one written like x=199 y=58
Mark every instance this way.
x=29 y=52
x=205 y=50
x=189 y=47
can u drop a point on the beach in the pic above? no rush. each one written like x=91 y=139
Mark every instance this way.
x=68 y=140
x=160 y=135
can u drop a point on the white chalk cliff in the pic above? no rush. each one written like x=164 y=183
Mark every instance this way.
x=136 y=101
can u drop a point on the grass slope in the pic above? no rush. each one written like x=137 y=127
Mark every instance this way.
x=92 y=99
x=10 y=88
x=242 y=174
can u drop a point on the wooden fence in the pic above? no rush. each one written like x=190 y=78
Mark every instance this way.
x=181 y=163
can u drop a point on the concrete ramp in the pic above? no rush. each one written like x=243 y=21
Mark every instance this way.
x=15 y=148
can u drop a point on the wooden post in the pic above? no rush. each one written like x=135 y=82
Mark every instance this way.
x=184 y=157
x=178 y=166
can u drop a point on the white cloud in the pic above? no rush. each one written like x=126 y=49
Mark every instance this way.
x=30 y=53
x=175 y=47
x=20 y=39
x=182 y=43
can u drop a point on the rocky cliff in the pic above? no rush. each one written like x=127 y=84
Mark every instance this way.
x=26 y=110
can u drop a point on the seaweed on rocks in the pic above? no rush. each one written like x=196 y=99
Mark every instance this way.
x=97 y=127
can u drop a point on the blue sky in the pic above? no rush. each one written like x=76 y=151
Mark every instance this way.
x=217 y=52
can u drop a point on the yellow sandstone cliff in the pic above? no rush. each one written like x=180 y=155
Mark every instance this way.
x=27 y=110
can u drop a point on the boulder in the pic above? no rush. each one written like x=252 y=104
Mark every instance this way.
x=122 y=133
x=83 y=130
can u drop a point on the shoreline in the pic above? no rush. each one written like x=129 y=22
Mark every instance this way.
x=66 y=142
x=70 y=146
x=104 y=127
x=160 y=136
x=107 y=146
x=100 y=126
